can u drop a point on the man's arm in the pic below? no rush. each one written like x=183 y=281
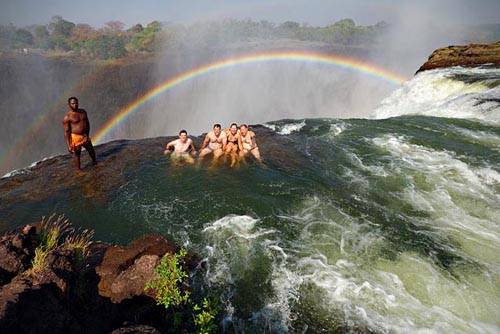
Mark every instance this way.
x=205 y=142
x=240 y=143
x=224 y=142
x=67 y=132
x=87 y=125
x=191 y=145
x=254 y=143
x=170 y=145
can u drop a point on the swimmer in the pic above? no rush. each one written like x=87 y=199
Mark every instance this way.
x=247 y=143
x=182 y=148
x=233 y=136
x=215 y=142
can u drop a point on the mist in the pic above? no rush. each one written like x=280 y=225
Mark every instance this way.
x=37 y=88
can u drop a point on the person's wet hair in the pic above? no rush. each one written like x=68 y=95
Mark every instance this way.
x=217 y=126
x=183 y=131
x=236 y=125
x=72 y=98
x=243 y=126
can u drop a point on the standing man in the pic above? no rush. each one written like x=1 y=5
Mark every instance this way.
x=182 y=148
x=76 y=132
x=215 y=141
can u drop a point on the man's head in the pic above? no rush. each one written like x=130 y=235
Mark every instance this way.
x=243 y=129
x=233 y=128
x=73 y=103
x=217 y=129
x=183 y=136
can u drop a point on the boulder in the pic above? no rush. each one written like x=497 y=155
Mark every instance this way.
x=124 y=271
x=34 y=308
x=16 y=252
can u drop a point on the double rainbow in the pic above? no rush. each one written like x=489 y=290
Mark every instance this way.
x=303 y=57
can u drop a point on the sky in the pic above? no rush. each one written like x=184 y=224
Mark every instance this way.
x=314 y=12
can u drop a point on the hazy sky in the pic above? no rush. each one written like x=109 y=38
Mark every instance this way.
x=315 y=12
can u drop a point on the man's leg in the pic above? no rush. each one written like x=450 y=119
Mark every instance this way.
x=90 y=148
x=78 y=152
x=204 y=152
x=217 y=153
x=256 y=153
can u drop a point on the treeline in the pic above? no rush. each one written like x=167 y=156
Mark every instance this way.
x=114 y=41
x=111 y=41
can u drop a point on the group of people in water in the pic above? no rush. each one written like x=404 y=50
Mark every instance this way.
x=235 y=142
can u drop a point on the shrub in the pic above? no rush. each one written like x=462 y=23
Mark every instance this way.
x=204 y=317
x=168 y=280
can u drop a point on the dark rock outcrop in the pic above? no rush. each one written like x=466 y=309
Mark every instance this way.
x=99 y=293
x=136 y=329
x=463 y=55
x=16 y=251
x=124 y=271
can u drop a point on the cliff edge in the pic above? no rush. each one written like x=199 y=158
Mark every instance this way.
x=463 y=55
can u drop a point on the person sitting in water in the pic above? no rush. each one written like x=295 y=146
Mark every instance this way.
x=182 y=148
x=76 y=132
x=215 y=142
x=247 y=143
x=233 y=135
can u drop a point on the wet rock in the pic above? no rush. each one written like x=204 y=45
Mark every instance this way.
x=33 y=308
x=463 y=55
x=136 y=329
x=16 y=251
x=124 y=271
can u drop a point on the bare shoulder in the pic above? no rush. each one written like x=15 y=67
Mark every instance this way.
x=66 y=118
x=252 y=134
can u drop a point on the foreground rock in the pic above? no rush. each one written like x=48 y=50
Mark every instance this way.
x=464 y=55
x=99 y=294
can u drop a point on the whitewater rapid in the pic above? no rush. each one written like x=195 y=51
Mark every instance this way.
x=381 y=225
x=456 y=92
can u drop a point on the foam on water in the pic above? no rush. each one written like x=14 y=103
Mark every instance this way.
x=25 y=170
x=286 y=128
x=444 y=93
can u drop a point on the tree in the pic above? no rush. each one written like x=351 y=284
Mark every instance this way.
x=42 y=37
x=23 y=38
x=145 y=40
x=113 y=27
x=81 y=33
x=61 y=27
x=106 y=46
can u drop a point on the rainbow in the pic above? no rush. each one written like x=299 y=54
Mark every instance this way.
x=304 y=57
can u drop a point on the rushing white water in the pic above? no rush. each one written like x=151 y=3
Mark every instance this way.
x=451 y=92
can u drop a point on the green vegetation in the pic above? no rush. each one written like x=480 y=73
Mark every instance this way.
x=113 y=41
x=169 y=292
x=167 y=284
x=52 y=231
x=204 y=317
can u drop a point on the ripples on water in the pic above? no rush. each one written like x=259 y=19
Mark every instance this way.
x=388 y=225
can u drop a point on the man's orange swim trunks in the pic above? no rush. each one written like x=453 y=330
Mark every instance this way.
x=78 y=140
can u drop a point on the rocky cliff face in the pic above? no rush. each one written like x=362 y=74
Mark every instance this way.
x=101 y=290
x=463 y=55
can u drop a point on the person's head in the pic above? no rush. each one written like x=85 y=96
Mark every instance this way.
x=73 y=103
x=217 y=129
x=183 y=135
x=233 y=128
x=243 y=129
